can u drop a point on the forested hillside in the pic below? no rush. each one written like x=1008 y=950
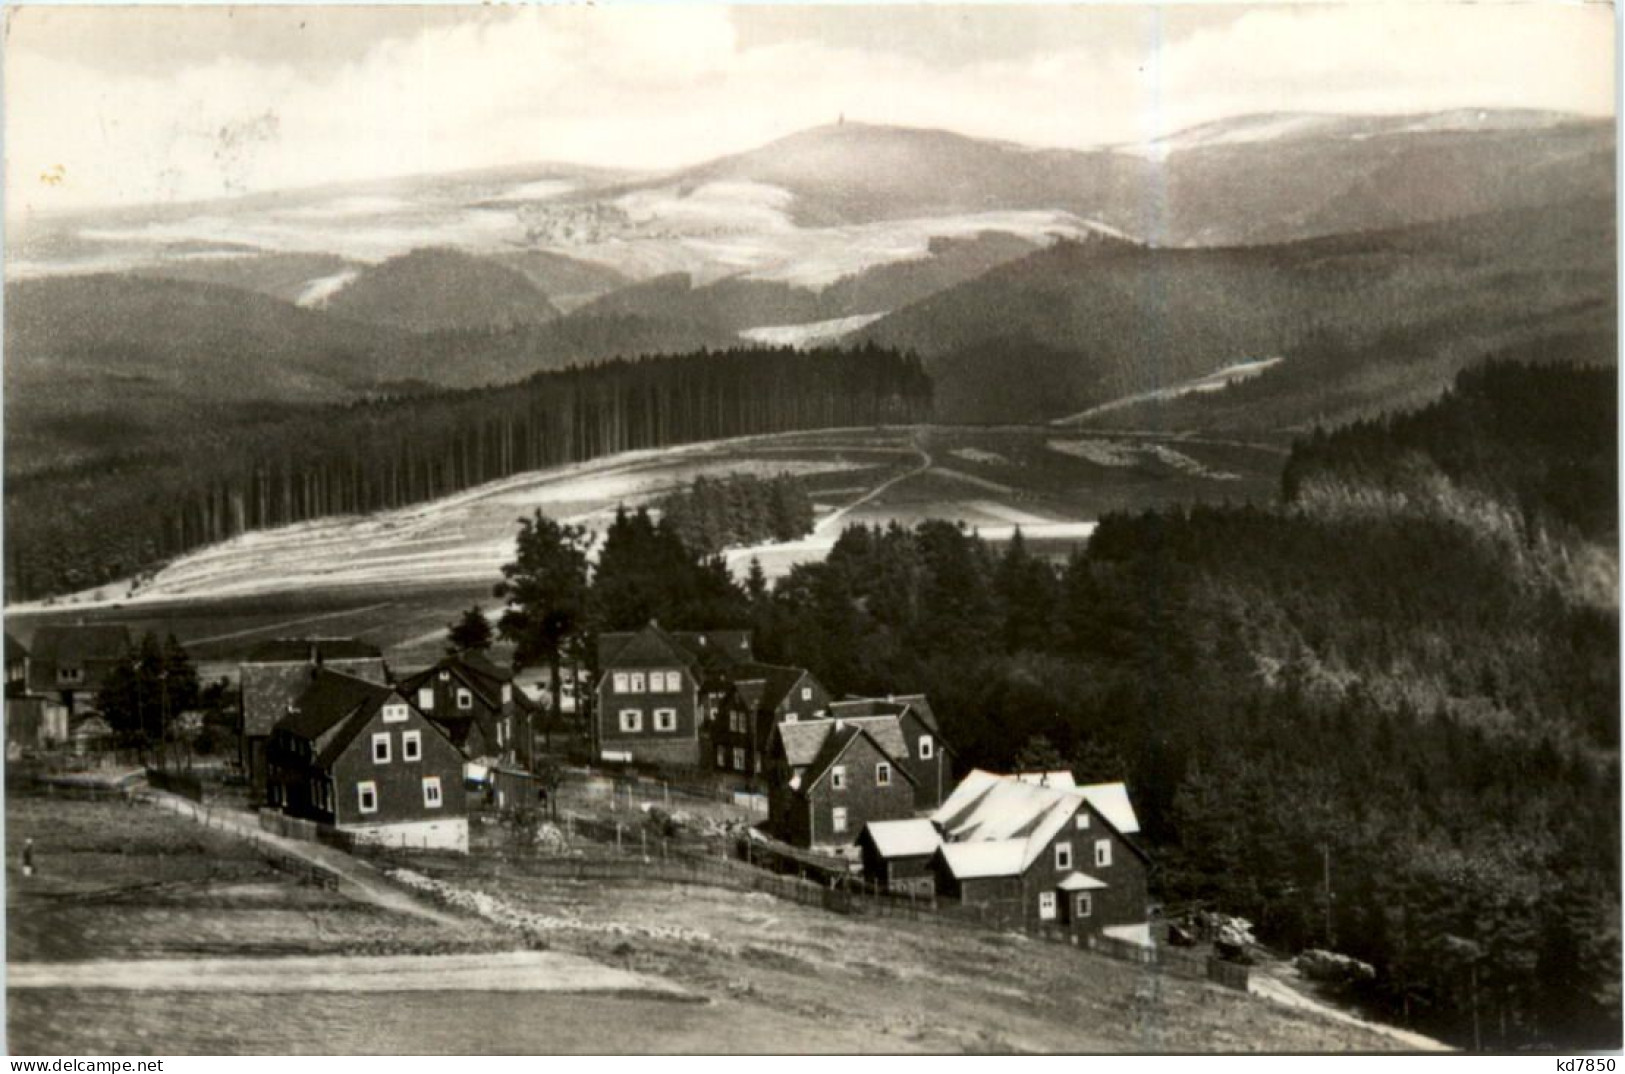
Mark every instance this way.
x=437 y=289
x=1376 y=319
x=1405 y=677
x=81 y=525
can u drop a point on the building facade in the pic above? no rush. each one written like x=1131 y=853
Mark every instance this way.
x=274 y=675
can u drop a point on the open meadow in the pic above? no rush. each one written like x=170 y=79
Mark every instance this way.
x=636 y=965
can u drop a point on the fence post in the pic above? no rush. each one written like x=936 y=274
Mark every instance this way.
x=665 y=789
x=643 y=842
x=617 y=837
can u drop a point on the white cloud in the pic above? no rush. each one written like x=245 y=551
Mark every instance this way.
x=663 y=86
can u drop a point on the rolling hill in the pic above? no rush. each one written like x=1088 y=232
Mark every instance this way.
x=440 y=289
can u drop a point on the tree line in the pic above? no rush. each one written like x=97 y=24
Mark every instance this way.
x=739 y=509
x=76 y=528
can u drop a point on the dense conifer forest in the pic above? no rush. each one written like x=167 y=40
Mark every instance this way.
x=739 y=509
x=77 y=527
x=1381 y=717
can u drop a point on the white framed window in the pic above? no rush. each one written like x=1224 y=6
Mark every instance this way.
x=928 y=748
x=426 y=698
x=380 y=748
x=366 y=793
x=631 y=720
x=1103 y=853
x=507 y=692
x=837 y=777
x=70 y=674
x=1082 y=820
x=806 y=693
x=882 y=774
x=621 y=683
x=411 y=745
x=722 y=757
x=665 y=719
x=465 y=698
x=669 y=682
x=445 y=676
x=395 y=713
x=637 y=682
x=1046 y=906
x=739 y=758
x=837 y=819
x=1063 y=856
x=431 y=792
x=502 y=727
x=739 y=722
x=1084 y=905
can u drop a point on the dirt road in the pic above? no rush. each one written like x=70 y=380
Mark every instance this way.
x=1277 y=991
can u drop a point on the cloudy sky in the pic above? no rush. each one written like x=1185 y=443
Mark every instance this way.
x=129 y=105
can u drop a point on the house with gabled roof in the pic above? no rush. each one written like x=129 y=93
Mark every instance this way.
x=897 y=855
x=273 y=675
x=478 y=707
x=656 y=689
x=753 y=699
x=924 y=752
x=358 y=756
x=829 y=778
x=66 y=666
x=1034 y=853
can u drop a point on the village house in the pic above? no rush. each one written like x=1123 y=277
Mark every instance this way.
x=1032 y=853
x=828 y=778
x=657 y=689
x=25 y=714
x=897 y=855
x=62 y=671
x=924 y=753
x=477 y=706
x=358 y=756
x=276 y=672
x=755 y=699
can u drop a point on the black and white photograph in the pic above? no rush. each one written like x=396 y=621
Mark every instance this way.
x=787 y=529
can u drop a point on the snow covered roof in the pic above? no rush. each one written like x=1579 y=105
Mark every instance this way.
x=903 y=838
x=1111 y=801
x=987 y=808
x=1080 y=882
x=967 y=861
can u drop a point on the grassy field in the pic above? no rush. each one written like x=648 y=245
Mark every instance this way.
x=768 y=975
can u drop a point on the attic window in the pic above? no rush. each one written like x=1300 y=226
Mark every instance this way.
x=928 y=748
x=394 y=713
x=1083 y=820
x=465 y=699
x=882 y=774
x=1063 y=856
x=445 y=676
x=1103 y=853
x=837 y=778
x=70 y=674
x=806 y=693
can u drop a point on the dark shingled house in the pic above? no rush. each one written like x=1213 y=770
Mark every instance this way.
x=276 y=672
x=358 y=756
